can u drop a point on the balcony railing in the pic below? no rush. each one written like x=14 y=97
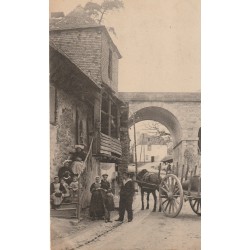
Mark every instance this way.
x=110 y=146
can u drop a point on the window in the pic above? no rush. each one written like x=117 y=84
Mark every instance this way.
x=110 y=65
x=109 y=116
x=52 y=104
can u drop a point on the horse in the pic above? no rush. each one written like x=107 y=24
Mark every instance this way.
x=148 y=178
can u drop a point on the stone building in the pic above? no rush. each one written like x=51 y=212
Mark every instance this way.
x=150 y=148
x=83 y=96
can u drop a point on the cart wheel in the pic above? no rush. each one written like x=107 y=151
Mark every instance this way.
x=195 y=204
x=171 y=195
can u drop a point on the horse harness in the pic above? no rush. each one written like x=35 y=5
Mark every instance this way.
x=146 y=176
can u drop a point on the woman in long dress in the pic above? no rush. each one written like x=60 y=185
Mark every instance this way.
x=96 y=209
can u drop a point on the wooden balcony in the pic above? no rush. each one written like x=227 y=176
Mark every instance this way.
x=110 y=146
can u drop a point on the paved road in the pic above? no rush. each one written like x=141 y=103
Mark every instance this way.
x=153 y=231
x=148 y=231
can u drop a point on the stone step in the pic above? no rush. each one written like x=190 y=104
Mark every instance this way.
x=66 y=213
x=70 y=203
x=64 y=209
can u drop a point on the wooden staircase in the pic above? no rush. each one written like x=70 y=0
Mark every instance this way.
x=73 y=208
x=66 y=210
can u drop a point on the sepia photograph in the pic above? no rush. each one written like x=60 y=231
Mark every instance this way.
x=102 y=104
x=125 y=124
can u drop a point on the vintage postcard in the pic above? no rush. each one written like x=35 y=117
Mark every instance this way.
x=125 y=124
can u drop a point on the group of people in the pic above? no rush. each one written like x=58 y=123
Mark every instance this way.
x=65 y=186
x=102 y=202
x=60 y=191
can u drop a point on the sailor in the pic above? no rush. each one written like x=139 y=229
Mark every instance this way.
x=126 y=198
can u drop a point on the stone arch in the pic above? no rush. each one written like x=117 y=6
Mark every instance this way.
x=161 y=115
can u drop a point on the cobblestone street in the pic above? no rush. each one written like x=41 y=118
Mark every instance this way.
x=147 y=231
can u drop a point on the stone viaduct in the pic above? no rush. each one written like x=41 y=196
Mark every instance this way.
x=179 y=112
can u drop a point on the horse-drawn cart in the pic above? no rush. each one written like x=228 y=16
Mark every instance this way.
x=173 y=191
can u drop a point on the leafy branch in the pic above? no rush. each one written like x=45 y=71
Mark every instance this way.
x=97 y=11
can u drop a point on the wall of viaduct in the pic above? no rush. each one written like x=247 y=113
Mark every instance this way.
x=179 y=112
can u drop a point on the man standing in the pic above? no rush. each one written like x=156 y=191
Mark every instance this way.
x=126 y=198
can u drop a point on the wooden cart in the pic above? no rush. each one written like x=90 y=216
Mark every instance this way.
x=173 y=191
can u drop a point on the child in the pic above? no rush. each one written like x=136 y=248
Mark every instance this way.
x=66 y=195
x=74 y=186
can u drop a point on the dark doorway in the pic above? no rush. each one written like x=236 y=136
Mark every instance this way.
x=152 y=158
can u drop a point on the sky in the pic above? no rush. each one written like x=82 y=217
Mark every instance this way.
x=159 y=41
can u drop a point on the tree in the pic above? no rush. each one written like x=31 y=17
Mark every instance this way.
x=97 y=11
x=160 y=131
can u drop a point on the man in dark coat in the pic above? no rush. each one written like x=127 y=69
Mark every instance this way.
x=126 y=198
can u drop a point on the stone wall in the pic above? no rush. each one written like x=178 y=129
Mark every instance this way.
x=64 y=131
x=53 y=136
x=63 y=136
x=125 y=141
x=186 y=153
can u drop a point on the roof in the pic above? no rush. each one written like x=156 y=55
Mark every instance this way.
x=168 y=158
x=77 y=19
x=52 y=45
x=57 y=14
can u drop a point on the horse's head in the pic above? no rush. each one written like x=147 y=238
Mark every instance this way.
x=141 y=173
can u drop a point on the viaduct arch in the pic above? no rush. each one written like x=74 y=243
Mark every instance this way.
x=179 y=112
